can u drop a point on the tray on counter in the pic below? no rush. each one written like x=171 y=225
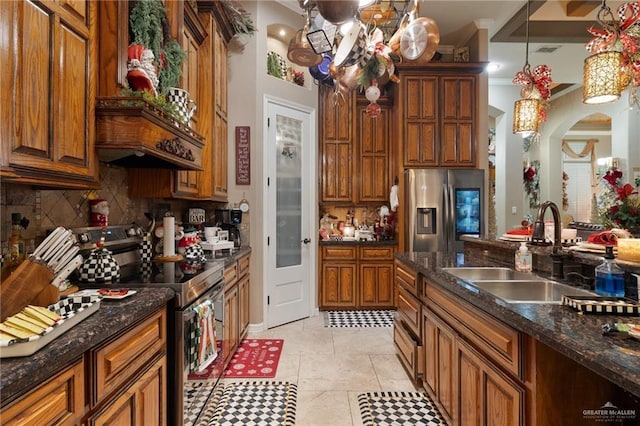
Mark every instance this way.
x=602 y=305
x=72 y=310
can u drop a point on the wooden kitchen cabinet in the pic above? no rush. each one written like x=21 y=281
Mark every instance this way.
x=236 y=302
x=139 y=404
x=338 y=282
x=407 y=336
x=60 y=400
x=438 y=115
x=356 y=277
x=373 y=153
x=230 y=324
x=47 y=122
x=336 y=146
x=487 y=396
x=203 y=35
x=376 y=277
x=243 y=296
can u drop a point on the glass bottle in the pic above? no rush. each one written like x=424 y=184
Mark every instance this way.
x=609 y=277
x=16 y=243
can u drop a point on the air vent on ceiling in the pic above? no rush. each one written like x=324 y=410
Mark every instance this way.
x=547 y=49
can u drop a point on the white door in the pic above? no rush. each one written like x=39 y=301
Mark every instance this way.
x=288 y=220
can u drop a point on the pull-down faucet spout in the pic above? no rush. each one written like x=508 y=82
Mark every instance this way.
x=538 y=238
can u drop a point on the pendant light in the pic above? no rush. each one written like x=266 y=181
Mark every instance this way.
x=603 y=79
x=527 y=111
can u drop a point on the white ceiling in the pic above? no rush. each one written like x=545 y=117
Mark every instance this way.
x=459 y=19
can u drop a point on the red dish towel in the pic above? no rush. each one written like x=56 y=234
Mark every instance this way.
x=519 y=231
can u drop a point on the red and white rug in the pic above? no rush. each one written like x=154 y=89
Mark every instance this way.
x=255 y=358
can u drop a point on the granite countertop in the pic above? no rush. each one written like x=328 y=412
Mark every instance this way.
x=576 y=336
x=19 y=375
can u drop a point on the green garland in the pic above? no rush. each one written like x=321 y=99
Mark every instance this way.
x=148 y=25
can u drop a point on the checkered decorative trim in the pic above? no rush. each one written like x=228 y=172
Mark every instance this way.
x=359 y=318
x=196 y=397
x=146 y=251
x=252 y=404
x=194 y=252
x=398 y=408
x=100 y=266
x=281 y=61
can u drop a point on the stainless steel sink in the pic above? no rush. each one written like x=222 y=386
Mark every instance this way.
x=514 y=286
x=487 y=273
x=529 y=291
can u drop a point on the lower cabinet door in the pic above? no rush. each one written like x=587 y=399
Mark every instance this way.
x=487 y=396
x=408 y=349
x=143 y=403
x=58 y=401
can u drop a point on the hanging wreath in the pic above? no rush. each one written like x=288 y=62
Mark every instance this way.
x=531 y=181
x=565 y=196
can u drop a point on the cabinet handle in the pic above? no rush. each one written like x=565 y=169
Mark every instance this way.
x=306 y=241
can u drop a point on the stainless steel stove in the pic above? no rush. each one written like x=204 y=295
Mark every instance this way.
x=195 y=324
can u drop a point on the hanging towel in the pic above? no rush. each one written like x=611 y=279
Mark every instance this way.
x=393 y=198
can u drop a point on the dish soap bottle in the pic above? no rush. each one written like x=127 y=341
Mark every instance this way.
x=609 y=277
x=523 y=258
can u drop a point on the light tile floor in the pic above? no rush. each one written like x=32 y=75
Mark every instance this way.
x=331 y=366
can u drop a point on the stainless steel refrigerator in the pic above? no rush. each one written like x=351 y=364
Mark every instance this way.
x=442 y=205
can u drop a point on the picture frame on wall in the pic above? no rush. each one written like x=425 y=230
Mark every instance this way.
x=461 y=54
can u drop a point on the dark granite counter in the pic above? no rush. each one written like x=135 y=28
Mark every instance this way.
x=576 y=336
x=235 y=255
x=19 y=375
x=358 y=243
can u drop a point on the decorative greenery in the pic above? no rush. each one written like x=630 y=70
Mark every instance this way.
x=159 y=102
x=621 y=207
x=149 y=26
x=273 y=65
x=241 y=20
x=531 y=181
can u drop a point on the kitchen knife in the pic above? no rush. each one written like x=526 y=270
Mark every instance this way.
x=54 y=245
x=46 y=243
x=74 y=264
x=59 y=252
x=69 y=254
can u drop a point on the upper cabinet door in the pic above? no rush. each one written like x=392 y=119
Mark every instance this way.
x=458 y=121
x=373 y=155
x=420 y=120
x=53 y=57
x=336 y=147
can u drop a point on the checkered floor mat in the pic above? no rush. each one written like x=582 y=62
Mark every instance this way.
x=253 y=404
x=196 y=397
x=398 y=408
x=359 y=318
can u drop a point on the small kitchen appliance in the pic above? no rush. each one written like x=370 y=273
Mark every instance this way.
x=228 y=220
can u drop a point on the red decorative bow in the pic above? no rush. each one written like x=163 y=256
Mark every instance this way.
x=629 y=14
x=541 y=79
x=602 y=41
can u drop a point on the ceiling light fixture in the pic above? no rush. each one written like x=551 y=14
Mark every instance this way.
x=529 y=111
x=615 y=61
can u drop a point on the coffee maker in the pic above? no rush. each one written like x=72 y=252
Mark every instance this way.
x=229 y=220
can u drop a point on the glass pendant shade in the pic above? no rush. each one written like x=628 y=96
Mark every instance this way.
x=526 y=116
x=603 y=78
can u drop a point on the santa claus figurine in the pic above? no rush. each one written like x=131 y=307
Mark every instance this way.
x=141 y=72
x=189 y=246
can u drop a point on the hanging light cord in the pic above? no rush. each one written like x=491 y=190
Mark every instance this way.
x=527 y=68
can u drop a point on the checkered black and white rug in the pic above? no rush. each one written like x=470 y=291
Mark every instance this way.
x=252 y=404
x=398 y=408
x=359 y=318
x=196 y=396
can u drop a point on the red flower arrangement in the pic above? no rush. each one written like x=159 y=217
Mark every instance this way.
x=531 y=182
x=624 y=212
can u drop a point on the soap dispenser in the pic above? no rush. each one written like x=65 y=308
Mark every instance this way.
x=609 y=277
x=523 y=258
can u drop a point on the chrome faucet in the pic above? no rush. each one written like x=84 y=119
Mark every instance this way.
x=537 y=236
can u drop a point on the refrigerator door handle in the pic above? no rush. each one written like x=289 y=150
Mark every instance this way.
x=451 y=220
x=445 y=215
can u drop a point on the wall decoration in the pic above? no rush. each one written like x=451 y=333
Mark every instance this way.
x=461 y=54
x=531 y=182
x=243 y=155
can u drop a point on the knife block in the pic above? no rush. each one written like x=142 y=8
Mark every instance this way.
x=28 y=284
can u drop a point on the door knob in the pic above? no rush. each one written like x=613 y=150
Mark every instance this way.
x=306 y=241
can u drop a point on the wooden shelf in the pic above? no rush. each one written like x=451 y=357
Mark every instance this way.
x=131 y=132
